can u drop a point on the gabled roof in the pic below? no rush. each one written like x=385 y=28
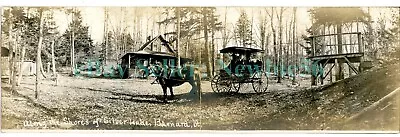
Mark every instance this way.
x=164 y=43
x=144 y=53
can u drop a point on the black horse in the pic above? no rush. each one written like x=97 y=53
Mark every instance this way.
x=169 y=77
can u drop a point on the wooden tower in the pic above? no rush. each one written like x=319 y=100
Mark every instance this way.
x=346 y=48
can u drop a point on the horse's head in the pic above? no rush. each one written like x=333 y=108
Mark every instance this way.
x=157 y=70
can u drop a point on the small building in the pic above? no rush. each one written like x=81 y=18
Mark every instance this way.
x=155 y=50
x=28 y=66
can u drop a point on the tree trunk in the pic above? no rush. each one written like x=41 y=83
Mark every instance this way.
x=263 y=36
x=274 y=40
x=13 y=64
x=39 y=49
x=398 y=29
x=178 y=37
x=53 y=62
x=267 y=44
x=1 y=38
x=43 y=74
x=205 y=25
x=351 y=47
x=276 y=63
x=11 y=54
x=340 y=50
x=294 y=45
x=10 y=48
x=213 y=50
x=22 y=62
x=251 y=28
x=213 y=46
x=22 y=56
x=330 y=43
x=14 y=73
x=159 y=31
x=105 y=35
x=280 y=47
x=73 y=45
x=287 y=47
x=370 y=36
x=225 y=37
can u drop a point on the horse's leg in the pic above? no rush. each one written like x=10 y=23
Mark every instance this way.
x=165 y=93
x=164 y=87
x=171 y=91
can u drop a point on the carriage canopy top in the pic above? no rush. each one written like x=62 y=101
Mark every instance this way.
x=240 y=50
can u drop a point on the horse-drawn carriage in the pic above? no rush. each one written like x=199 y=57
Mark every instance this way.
x=244 y=68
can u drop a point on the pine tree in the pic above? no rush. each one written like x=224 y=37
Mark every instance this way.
x=83 y=44
x=243 y=30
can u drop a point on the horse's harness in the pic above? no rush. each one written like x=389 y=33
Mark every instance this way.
x=160 y=73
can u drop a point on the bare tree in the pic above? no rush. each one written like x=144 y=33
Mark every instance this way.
x=53 y=60
x=39 y=49
x=1 y=38
x=262 y=30
x=13 y=50
x=225 y=36
x=105 y=35
x=205 y=31
x=274 y=36
x=178 y=29
x=73 y=43
x=10 y=46
x=22 y=60
x=280 y=63
x=295 y=53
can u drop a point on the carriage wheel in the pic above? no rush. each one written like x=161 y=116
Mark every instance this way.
x=220 y=84
x=214 y=83
x=236 y=86
x=260 y=82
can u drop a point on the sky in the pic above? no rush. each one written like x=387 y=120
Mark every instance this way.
x=94 y=18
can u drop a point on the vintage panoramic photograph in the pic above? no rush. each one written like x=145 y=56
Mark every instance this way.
x=200 y=68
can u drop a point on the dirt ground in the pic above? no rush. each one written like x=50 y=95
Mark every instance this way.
x=124 y=104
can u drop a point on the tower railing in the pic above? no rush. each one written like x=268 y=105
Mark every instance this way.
x=328 y=44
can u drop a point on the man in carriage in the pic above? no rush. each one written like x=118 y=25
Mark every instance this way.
x=244 y=67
